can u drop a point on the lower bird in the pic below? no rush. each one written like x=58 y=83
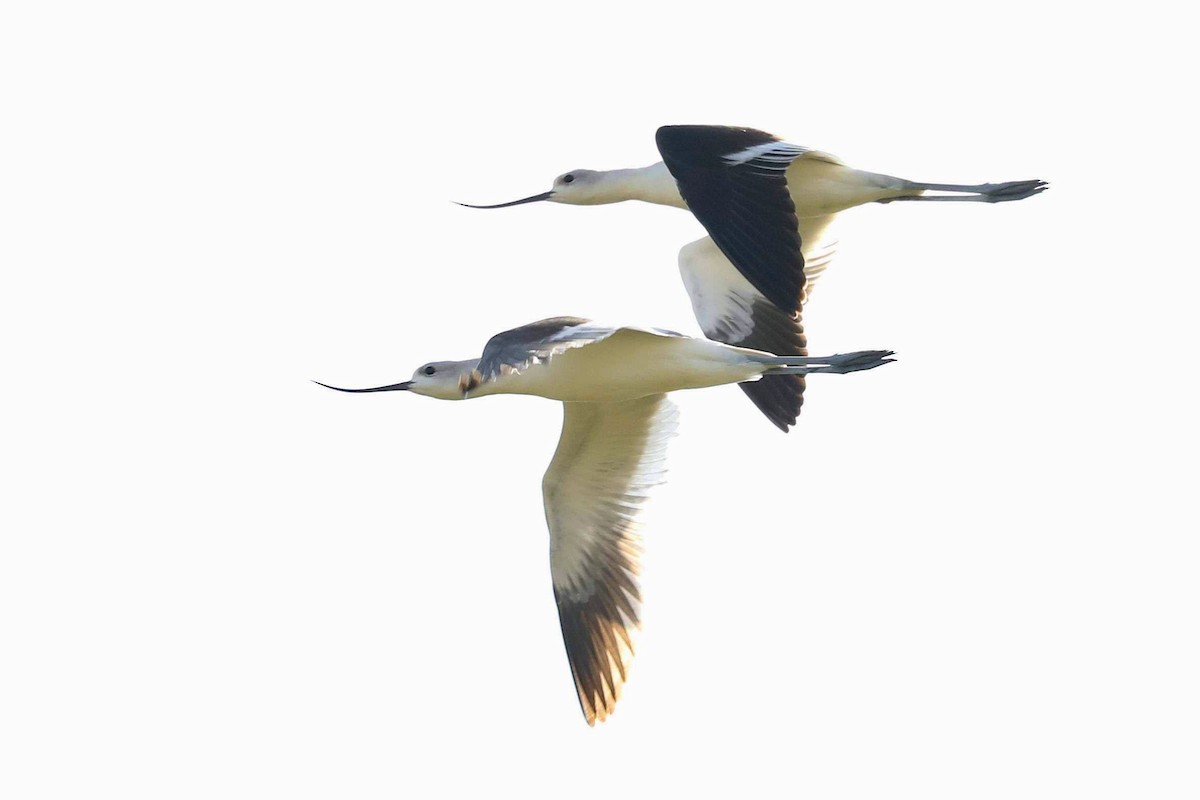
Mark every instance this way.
x=613 y=382
x=768 y=207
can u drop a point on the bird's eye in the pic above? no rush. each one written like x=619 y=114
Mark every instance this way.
x=430 y=370
x=568 y=178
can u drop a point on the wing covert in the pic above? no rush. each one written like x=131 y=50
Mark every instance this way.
x=516 y=349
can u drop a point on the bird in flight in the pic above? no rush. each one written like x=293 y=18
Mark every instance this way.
x=613 y=382
x=767 y=206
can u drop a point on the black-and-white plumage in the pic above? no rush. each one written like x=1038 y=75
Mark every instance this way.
x=768 y=206
x=732 y=311
x=735 y=181
x=765 y=202
x=613 y=383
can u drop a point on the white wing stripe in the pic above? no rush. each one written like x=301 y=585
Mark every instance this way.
x=770 y=155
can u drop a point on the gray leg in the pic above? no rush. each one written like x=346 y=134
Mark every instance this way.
x=839 y=364
x=979 y=193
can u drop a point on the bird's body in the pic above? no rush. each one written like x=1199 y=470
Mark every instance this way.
x=818 y=184
x=605 y=364
x=768 y=207
x=613 y=381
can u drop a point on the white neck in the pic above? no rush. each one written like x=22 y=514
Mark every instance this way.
x=652 y=184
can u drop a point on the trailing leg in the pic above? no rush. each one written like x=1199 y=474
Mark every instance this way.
x=978 y=193
x=840 y=363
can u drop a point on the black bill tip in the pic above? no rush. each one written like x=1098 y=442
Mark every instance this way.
x=395 y=387
x=536 y=198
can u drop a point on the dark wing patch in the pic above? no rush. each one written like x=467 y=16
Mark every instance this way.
x=779 y=397
x=519 y=347
x=595 y=627
x=735 y=182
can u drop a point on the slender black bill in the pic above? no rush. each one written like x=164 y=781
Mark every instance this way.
x=395 y=387
x=534 y=199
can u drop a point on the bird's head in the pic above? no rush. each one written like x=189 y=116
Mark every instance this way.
x=445 y=380
x=579 y=187
x=583 y=187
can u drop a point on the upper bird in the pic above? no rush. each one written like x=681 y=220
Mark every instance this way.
x=616 y=420
x=767 y=206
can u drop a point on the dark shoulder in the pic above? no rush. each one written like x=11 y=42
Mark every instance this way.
x=535 y=331
x=701 y=144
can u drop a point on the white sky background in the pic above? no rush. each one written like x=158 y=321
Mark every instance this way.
x=971 y=574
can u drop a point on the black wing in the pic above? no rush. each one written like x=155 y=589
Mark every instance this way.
x=732 y=311
x=735 y=181
x=779 y=397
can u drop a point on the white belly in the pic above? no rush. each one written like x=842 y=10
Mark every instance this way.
x=631 y=364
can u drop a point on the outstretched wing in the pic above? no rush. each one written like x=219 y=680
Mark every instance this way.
x=517 y=349
x=732 y=311
x=735 y=181
x=609 y=457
